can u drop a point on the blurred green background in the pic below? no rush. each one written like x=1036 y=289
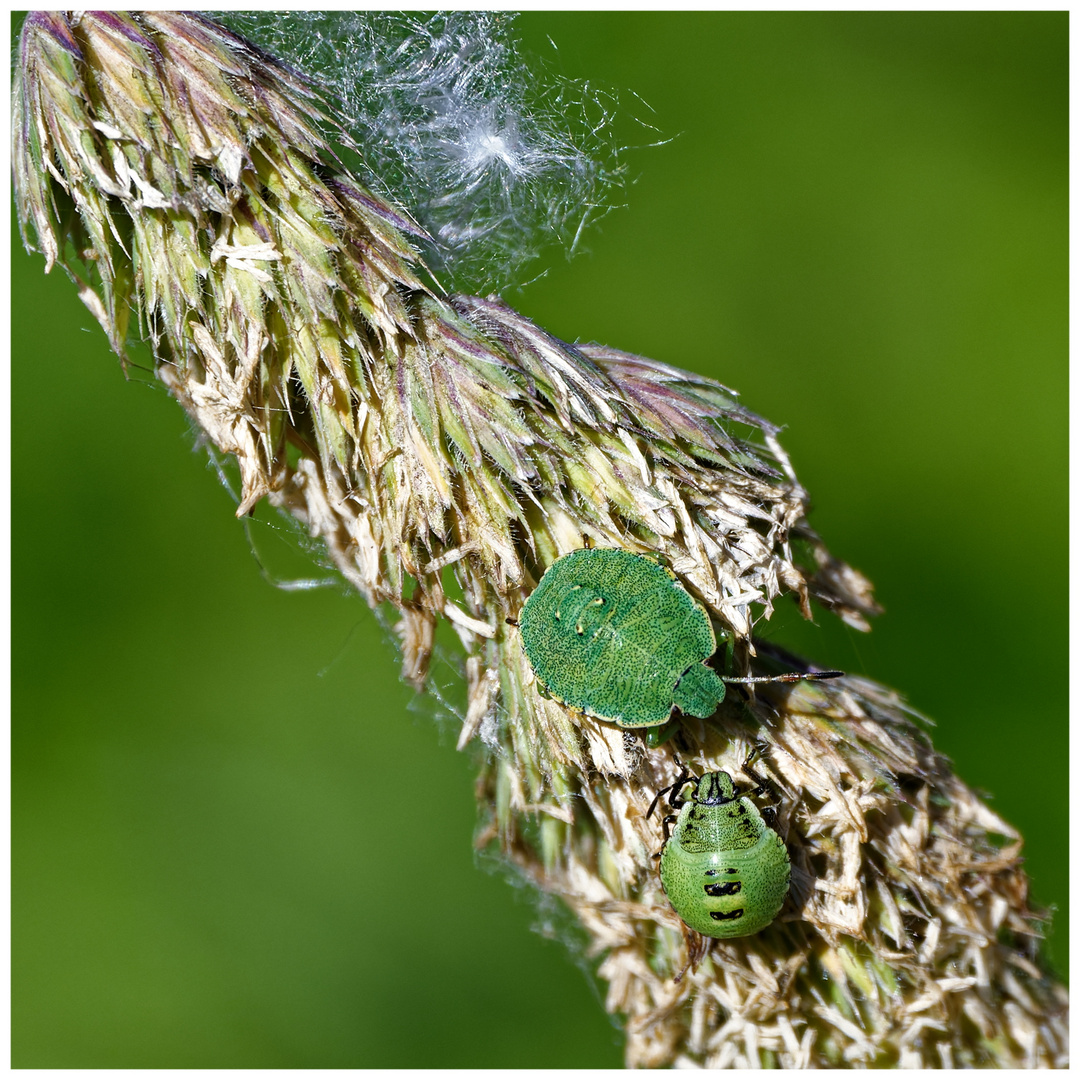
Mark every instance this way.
x=861 y=226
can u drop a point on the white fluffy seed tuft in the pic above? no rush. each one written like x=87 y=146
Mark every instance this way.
x=496 y=159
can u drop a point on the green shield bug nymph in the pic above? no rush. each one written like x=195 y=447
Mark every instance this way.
x=724 y=869
x=615 y=635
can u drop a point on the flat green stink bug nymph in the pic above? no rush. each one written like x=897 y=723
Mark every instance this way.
x=724 y=869
x=615 y=635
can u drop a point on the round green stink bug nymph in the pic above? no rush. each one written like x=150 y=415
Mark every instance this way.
x=725 y=871
x=615 y=635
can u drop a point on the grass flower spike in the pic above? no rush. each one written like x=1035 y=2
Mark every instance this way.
x=447 y=451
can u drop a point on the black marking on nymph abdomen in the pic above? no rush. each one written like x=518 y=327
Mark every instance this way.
x=720 y=916
x=731 y=870
x=723 y=888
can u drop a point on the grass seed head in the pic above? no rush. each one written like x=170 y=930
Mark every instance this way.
x=447 y=450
